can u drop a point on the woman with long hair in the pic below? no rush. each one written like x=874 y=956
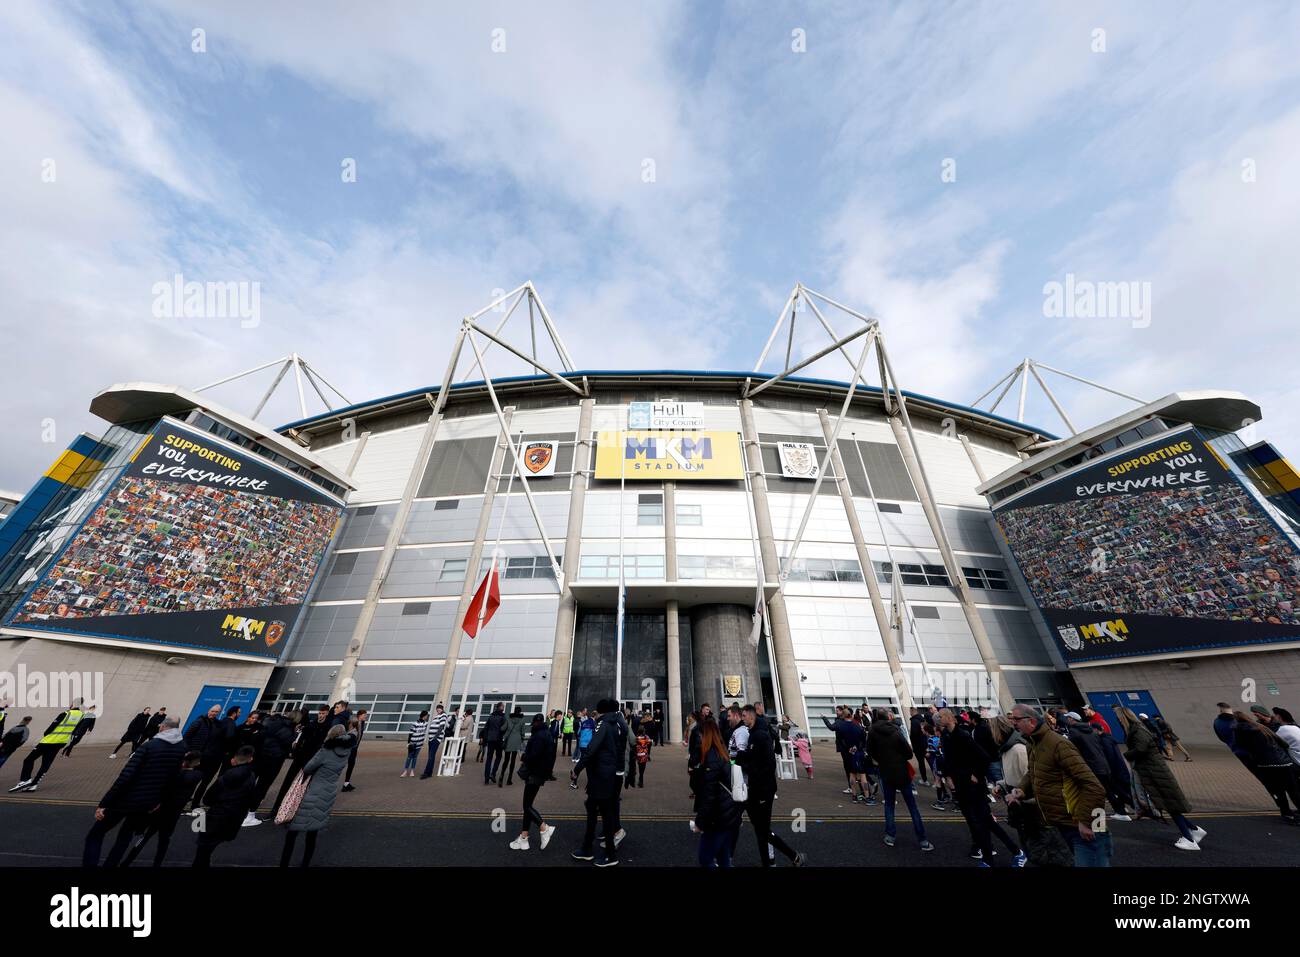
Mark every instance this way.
x=717 y=816
x=1271 y=760
x=535 y=770
x=313 y=814
x=1162 y=788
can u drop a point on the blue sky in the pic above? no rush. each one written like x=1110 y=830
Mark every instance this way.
x=478 y=169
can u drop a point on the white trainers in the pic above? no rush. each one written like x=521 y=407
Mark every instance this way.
x=112 y=755
x=1197 y=834
x=1183 y=844
x=1120 y=817
x=547 y=835
x=19 y=786
x=251 y=820
x=519 y=844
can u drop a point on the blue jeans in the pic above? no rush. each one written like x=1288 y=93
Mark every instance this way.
x=412 y=758
x=910 y=800
x=1094 y=853
x=715 y=848
x=433 y=753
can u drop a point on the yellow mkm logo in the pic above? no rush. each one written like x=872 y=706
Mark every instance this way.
x=237 y=626
x=1105 y=631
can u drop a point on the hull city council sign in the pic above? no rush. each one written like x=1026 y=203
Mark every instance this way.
x=669 y=456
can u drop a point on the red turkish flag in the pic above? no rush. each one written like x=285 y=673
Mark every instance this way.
x=489 y=591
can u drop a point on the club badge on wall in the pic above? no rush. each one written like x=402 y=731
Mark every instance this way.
x=732 y=686
x=798 y=460
x=539 y=458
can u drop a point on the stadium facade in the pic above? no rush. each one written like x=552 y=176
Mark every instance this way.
x=192 y=556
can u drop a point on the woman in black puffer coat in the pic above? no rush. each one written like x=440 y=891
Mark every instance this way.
x=717 y=816
x=325 y=768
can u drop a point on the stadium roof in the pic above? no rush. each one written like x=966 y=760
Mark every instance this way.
x=411 y=397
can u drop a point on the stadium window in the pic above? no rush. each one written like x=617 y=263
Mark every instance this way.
x=936 y=576
x=890 y=507
x=367 y=510
x=518 y=568
x=691 y=566
x=344 y=564
x=997 y=579
x=690 y=515
x=847 y=571
x=453 y=570
x=924 y=611
x=974 y=577
x=446 y=505
x=650 y=509
x=884 y=573
x=821 y=570
x=912 y=574
x=594 y=566
x=416 y=608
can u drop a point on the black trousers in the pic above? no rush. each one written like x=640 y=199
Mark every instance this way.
x=508 y=765
x=918 y=748
x=760 y=815
x=132 y=823
x=266 y=770
x=607 y=810
x=218 y=832
x=208 y=767
x=568 y=744
x=308 y=847
x=47 y=753
x=352 y=763
x=531 y=814
x=493 y=762
x=162 y=824
x=974 y=805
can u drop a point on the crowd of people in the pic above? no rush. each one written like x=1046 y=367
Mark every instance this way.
x=155 y=546
x=1155 y=548
x=1042 y=786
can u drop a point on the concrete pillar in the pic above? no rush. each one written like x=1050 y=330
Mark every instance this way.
x=344 y=682
x=445 y=686
x=976 y=624
x=787 y=670
x=566 y=619
x=720 y=644
x=674 y=657
x=676 y=722
x=883 y=622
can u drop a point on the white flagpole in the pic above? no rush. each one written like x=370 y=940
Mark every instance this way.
x=622 y=584
x=492 y=571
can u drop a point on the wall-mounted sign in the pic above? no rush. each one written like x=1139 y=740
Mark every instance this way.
x=665 y=414
x=538 y=458
x=669 y=456
x=798 y=460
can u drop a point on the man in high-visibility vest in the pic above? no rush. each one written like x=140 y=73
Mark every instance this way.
x=56 y=738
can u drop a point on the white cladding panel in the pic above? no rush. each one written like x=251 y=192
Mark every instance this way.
x=385 y=465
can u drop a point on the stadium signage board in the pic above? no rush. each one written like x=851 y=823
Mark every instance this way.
x=538 y=458
x=665 y=414
x=197 y=544
x=669 y=456
x=1154 y=549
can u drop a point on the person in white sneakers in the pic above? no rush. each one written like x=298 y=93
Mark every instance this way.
x=1161 y=785
x=535 y=770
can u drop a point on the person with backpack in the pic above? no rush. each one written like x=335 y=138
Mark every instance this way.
x=14 y=739
x=535 y=770
x=644 y=743
x=717 y=816
x=586 y=730
x=602 y=760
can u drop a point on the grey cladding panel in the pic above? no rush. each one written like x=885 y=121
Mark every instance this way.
x=884 y=463
x=367 y=526
x=457 y=467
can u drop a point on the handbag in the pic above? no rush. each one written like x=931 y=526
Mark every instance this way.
x=292 y=799
x=739 y=787
x=1044 y=843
